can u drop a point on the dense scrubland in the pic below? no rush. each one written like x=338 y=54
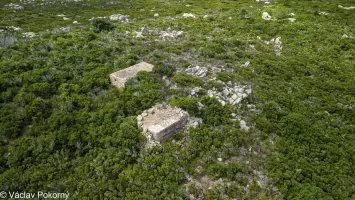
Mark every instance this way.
x=63 y=127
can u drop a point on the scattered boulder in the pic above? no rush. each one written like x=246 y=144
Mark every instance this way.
x=170 y=34
x=243 y=125
x=194 y=121
x=197 y=71
x=232 y=95
x=266 y=16
x=346 y=36
x=194 y=91
x=278 y=46
x=119 y=17
x=28 y=35
x=14 y=28
x=186 y=15
x=246 y=64
x=292 y=19
x=12 y=6
x=141 y=33
x=323 y=13
x=65 y=29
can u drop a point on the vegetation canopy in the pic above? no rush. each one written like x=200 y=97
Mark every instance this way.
x=65 y=128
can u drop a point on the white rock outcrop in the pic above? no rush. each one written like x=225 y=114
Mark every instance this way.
x=232 y=95
x=28 y=35
x=13 y=6
x=266 y=16
x=292 y=19
x=277 y=45
x=346 y=8
x=186 y=15
x=119 y=17
x=140 y=34
x=323 y=13
x=170 y=34
x=197 y=71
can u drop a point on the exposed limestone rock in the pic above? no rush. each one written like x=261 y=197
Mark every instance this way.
x=194 y=91
x=161 y=121
x=12 y=6
x=278 y=46
x=119 y=17
x=346 y=8
x=266 y=16
x=28 y=35
x=243 y=125
x=246 y=64
x=292 y=19
x=197 y=71
x=323 y=13
x=186 y=15
x=14 y=28
x=119 y=78
x=140 y=34
x=346 y=36
x=65 y=29
x=232 y=95
x=194 y=121
x=170 y=34
x=265 y=1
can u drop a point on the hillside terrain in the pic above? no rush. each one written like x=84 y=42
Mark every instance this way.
x=269 y=87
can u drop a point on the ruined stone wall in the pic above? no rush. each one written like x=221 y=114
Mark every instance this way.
x=119 y=78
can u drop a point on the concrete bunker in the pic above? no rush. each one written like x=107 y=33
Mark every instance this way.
x=119 y=78
x=161 y=121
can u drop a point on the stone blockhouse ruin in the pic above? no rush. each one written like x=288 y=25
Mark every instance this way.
x=161 y=121
x=119 y=78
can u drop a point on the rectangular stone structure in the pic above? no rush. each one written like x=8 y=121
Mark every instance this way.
x=119 y=78
x=167 y=127
x=161 y=121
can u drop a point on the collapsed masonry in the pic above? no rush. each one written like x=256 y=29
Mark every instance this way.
x=161 y=121
x=119 y=78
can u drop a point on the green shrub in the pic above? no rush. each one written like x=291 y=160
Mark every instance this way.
x=102 y=25
x=279 y=11
x=164 y=69
x=226 y=76
x=214 y=113
x=187 y=103
x=188 y=80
